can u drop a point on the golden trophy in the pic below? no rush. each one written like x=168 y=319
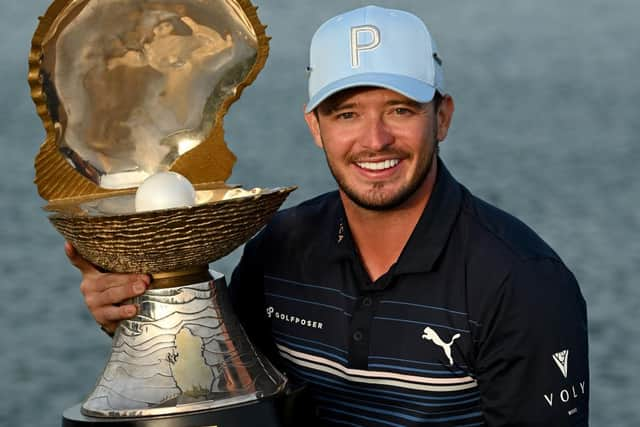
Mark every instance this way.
x=132 y=94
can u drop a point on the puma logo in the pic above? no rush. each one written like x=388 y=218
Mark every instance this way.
x=431 y=335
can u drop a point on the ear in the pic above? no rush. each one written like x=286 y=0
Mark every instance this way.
x=314 y=127
x=445 y=114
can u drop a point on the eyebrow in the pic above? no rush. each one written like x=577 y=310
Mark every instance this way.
x=333 y=107
x=393 y=102
x=409 y=102
x=343 y=106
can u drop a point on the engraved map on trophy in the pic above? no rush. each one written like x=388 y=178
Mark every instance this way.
x=132 y=94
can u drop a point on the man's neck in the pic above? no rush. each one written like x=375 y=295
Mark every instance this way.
x=380 y=236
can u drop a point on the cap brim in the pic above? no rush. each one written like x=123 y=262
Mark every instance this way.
x=411 y=88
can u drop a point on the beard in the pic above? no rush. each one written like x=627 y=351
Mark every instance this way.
x=375 y=199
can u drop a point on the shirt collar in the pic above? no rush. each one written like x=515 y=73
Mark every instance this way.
x=432 y=231
x=341 y=243
x=427 y=240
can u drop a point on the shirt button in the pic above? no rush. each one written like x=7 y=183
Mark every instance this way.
x=358 y=335
x=366 y=302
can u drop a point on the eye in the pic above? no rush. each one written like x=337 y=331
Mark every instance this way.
x=402 y=111
x=346 y=115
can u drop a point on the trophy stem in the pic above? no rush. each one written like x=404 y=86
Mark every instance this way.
x=185 y=277
x=178 y=355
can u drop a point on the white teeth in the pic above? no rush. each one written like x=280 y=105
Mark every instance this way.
x=378 y=166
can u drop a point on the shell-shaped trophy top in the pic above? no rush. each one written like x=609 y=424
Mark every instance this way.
x=129 y=88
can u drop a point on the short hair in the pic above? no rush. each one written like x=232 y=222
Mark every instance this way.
x=437 y=100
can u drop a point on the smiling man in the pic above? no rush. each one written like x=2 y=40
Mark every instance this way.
x=400 y=299
x=435 y=307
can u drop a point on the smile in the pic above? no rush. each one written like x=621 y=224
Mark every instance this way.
x=378 y=166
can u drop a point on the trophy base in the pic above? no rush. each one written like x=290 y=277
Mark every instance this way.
x=263 y=413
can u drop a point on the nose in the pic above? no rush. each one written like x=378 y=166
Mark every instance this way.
x=378 y=135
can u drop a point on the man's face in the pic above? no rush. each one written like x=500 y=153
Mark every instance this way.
x=379 y=145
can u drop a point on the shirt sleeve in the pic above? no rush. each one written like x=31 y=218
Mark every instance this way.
x=532 y=358
x=247 y=296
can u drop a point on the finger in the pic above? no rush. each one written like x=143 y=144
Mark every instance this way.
x=137 y=283
x=80 y=263
x=109 y=316
x=111 y=289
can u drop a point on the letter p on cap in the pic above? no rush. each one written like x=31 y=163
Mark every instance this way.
x=356 y=47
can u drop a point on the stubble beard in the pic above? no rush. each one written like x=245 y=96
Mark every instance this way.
x=374 y=199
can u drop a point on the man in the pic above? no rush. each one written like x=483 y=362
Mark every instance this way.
x=401 y=299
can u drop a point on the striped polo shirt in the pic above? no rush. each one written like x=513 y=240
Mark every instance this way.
x=467 y=328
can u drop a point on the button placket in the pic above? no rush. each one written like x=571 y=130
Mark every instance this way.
x=360 y=332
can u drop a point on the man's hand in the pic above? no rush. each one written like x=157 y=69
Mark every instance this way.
x=104 y=292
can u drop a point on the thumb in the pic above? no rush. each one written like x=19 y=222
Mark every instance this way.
x=76 y=259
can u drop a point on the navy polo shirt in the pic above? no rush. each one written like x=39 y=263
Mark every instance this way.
x=477 y=323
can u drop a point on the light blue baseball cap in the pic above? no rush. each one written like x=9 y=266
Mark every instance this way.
x=373 y=46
